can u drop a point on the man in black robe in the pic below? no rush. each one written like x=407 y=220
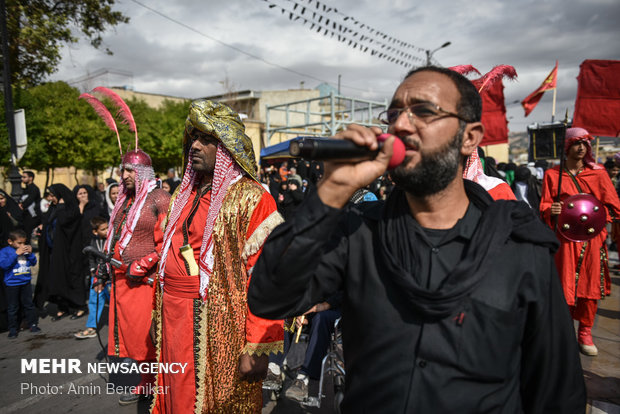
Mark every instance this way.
x=451 y=301
x=30 y=199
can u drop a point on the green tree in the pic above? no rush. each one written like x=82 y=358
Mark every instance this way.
x=161 y=132
x=63 y=131
x=37 y=29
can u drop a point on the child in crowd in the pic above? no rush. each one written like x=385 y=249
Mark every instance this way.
x=16 y=260
x=99 y=293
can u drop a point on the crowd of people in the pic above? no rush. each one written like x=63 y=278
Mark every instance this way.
x=452 y=296
x=61 y=223
x=290 y=180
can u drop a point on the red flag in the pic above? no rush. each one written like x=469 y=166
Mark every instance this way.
x=549 y=83
x=494 y=115
x=597 y=107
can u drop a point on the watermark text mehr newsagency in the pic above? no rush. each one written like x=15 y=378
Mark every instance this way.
x=74 y=365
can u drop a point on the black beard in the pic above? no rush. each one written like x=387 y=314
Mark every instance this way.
x=434 y=172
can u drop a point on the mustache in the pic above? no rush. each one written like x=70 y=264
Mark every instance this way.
x=411 y=142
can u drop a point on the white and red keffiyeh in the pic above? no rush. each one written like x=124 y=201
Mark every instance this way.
x=227 y=172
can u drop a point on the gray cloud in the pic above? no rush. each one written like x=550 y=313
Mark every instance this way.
x=167 y=58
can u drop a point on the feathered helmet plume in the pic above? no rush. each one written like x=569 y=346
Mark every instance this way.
x=495 y=74
x=103 y=112
x=137 y=156
x=487 y=80
x=464 y=69
x=122 y=109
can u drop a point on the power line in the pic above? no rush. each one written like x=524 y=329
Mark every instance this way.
x=241 y=50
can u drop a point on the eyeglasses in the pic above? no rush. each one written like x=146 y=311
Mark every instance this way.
x=425 y=112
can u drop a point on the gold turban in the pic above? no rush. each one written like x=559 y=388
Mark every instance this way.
x=222 y=122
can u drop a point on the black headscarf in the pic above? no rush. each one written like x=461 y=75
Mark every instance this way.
x=10 y=218
x=93 y=197
x=92 y=209
x=62 y=192
x=172 y=183
x=65 y=280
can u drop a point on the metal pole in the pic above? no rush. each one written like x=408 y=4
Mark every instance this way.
x=332 y=122
x=429 y=53
x=553 y=108
x=562 y=163
x=268 y=125
x=14 y=175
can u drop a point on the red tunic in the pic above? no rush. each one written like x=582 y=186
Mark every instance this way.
x=131 y=302
x=211 y=335
x=588 y=279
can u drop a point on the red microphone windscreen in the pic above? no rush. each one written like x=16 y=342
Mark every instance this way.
x=398 y=154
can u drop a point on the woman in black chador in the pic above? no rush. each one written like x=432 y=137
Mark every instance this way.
x=90 y=207
x=65 y=282
x=10 y=217
x=44 y=243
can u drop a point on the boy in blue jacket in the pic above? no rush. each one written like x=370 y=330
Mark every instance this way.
x=16 y=260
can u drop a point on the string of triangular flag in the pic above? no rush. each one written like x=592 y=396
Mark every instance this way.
x=363 y=37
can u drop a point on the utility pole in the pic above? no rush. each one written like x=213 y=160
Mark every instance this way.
x=429 y=53
x=14 y=175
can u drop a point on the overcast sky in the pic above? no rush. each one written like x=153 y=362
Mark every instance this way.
x=185 y=53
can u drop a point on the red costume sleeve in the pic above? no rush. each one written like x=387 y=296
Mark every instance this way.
x=158 y=238
x=158 y=234
x=262 y=336
x=502 y=192
x=608 y=195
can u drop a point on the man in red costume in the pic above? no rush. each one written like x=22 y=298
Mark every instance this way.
x=218 y=222
x=581 y=266
x=135 y=240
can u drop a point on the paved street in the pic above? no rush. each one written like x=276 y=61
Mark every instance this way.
x=602 y=373
x=87 y=393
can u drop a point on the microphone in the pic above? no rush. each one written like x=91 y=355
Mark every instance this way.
x=108 y=259
x=101 y=255
x=330 y=149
